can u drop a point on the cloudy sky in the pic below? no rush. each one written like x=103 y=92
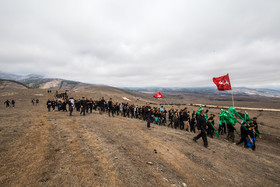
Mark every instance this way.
x=138 y=43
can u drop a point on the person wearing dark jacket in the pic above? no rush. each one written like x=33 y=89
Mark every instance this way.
x=182 y=120
x=110 y=107
x=251 y=137
x=83 y=106
x=192 y=124
x=102 y=104
x=90 y=105
x=201 y=127
x=13 y=103
x=210 y=130
x=49 y=105
x=244 y=134
x=7 y=103
x=54 y=103
x=71 y=104
x=148 y=114
x=186 y=119
x=230 y=136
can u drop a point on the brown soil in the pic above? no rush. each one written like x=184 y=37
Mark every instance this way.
x=40 y=148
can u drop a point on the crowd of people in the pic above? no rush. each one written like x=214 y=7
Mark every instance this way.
x=182 y=119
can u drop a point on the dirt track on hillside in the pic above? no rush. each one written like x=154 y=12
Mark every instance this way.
x=40 y=148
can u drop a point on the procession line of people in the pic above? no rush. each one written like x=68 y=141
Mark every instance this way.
x=181 y=119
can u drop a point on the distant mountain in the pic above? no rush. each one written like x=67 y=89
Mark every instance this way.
x=39 y=81
x=15 y=77
x=31 y=77
x=239 y=91
x=52 y=83
x=9 y=76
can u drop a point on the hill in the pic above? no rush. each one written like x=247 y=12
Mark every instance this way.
x=39 y=81
x=40 y=148
x=48 y=83
x=10 y=84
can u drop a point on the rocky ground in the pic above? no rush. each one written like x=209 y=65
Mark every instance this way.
x=40 y=148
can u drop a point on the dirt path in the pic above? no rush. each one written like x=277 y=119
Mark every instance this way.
x=40 y=148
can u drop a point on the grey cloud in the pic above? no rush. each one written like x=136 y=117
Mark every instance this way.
x=143 y=43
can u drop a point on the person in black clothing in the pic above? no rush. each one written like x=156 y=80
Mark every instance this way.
x=13 y=103
x=124 y=110
x=230 y=136
x=110 y=107
x=7 y=103
x=148 y=115
x=210 y=130
x=83 y=106
x=49 y=105
x=33 y=101
x=127 y=110
x=77 y=105
x=192 y=124
x=117 y=108
x=186 y=119
x=59 y=103
x=102 y=104
x=244 y=134
x=53 y=105
x=182 y=120
x=63 y=106
x=193 y=114
x=251 y=140
x=202 y=127
x=256 y=125
x=176 y=119
x=170 y=117
x=71 y=104
x=131 y=110
x=90 y=105
x=221 y=127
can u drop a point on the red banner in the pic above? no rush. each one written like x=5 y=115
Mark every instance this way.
x=158 y=95
x=222 y=83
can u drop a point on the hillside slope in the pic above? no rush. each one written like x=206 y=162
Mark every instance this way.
x=40 y=148
x=9 y=84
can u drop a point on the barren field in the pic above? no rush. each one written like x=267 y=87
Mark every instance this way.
x=40 y=148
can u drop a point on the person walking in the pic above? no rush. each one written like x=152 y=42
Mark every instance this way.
x=83 y=106
x=49 y=105
x=13 y=103
x=202 y=127
x=148 y=114
x=110 y=107
x=71 y=104
x=7 y=103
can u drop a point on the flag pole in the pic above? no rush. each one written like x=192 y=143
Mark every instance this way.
x=232 y=96
x=166 y=101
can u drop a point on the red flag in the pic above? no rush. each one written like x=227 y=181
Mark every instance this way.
x=222 y=82
x=158 y=95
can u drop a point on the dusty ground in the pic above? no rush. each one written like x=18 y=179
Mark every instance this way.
x=40 y=148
